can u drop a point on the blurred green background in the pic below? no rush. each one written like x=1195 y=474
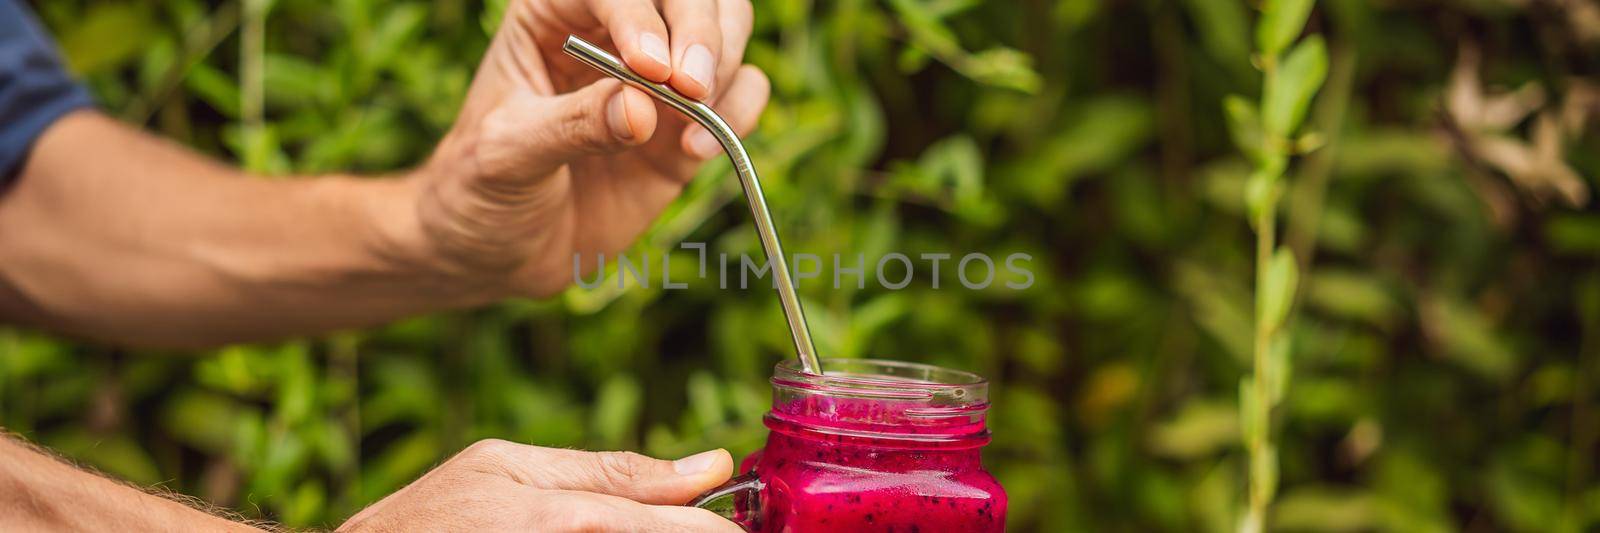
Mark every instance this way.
x=1446 y=341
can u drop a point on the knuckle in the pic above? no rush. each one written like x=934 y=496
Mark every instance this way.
x=558 y=134
x=584 y=123
x=487 y=448
x=621 y=468
x=572 y=125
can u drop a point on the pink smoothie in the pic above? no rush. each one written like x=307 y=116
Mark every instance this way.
x=837 y=464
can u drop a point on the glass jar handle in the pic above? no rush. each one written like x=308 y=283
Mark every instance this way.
x=738 y=500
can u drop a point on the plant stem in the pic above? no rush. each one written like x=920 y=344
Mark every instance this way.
x=252 y=68
x=1260 y=401
x=1311 y=186
x=251 y=45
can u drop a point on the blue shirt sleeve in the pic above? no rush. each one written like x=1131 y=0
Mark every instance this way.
x=35 y=89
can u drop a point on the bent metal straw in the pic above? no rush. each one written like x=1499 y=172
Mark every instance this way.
x=703 y=114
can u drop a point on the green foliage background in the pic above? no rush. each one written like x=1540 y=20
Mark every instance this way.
x=1446 y=338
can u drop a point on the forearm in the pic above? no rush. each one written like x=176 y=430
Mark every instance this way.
x=112 y=233
x=39 y=493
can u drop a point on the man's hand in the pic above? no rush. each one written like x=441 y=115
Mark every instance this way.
x=549 y=158
x=500 y=486
x=491 y=486
x=108 y=232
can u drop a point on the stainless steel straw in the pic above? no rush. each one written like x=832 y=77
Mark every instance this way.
x=605 y=62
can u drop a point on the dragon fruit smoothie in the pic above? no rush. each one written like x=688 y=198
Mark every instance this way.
x=876 y=453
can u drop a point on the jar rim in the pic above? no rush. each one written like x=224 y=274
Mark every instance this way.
x=887 y=379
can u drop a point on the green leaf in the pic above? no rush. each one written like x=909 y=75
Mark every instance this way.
x=1288 y=91
x=1244 y=123
x=24 y=356
x=216 y=88
x=1415 y=495
x=704 y=401
x=868 y=319
x=1327 y=509
x=1352 y=294
x=1588 y=296
x=155 y=64
x=1216 y=496
x=1309 y=142
x=1223 y=29
x=388 y=41
x=946 y=8
x=616 y=409
x=117 y=454
x=999 y=66
x=1281 y=21
x=1003 y=67
x=1326 y=402
x=192 y=416
x=1104 y=135
x=1073 y=14
x=296 y=384
x=106 y=36
x=398 y=464
x=1261 y=192
x=952 y=164
x=864 y=120
x=1200 y=428
x=925 y=27
x=1576 y=234
x=1469 y=337
x=302 y=507
x=1219 y=306
x=493 y=11
x=1276 y=289
x=912 y=60
x=334 y=444
x=1523 y=499
x=294 y=81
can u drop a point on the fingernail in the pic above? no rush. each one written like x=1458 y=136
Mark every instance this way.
x=697 y=64
x=703 y=144
x=696 y=463
x=655 y=48
x=617 y=117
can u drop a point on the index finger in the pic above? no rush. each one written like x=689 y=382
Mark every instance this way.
x=624 y=474
x=586 y=511
x=636 y=28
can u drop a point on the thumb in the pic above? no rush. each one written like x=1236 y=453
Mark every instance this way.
x=649 y=480
x=626 y=474
x=550 y=131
